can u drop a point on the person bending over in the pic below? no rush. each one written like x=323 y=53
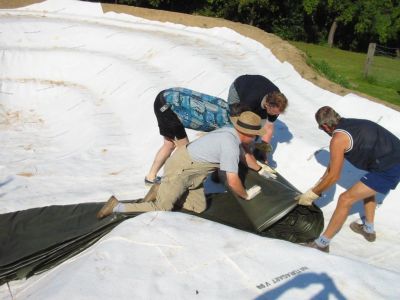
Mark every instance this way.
x=187 y=168
x=262 y=97
x=368 y=146
x=180 y=108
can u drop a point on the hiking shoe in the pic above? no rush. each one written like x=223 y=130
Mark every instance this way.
x=359 y=228
x=148 y=182
x=107 y=209
x=314 y=245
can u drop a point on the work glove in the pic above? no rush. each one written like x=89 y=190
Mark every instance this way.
x=307 y=198
x=263 y=147
x=266 y=171
x=252 y=192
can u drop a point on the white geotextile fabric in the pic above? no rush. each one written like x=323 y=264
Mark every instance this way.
x=76 y=125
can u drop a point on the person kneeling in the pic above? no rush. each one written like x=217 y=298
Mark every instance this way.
x=186 y=170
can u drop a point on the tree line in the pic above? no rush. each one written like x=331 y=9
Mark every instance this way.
x=346 y=24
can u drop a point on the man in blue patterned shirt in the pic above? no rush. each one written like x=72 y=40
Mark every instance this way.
x=179 y=108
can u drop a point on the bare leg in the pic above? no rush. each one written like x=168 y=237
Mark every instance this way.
x=162 y=155
x=346 y=200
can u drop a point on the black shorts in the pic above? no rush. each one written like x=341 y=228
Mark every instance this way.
x=168 y=122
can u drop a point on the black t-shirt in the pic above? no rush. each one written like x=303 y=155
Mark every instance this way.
x=251 y=90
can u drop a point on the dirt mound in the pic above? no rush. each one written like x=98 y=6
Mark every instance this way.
x=280 y=48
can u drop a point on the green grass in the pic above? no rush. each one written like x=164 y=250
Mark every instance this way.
x=347 y=69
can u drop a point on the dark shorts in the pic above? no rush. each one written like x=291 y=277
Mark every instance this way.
x=168 y=123
x=384 y=181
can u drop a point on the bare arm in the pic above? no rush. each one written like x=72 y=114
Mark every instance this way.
x=235 y=184
x=339 y=143
x=269 y=127
x=249 y=159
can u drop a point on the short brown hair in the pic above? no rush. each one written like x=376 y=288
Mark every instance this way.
x=327 y=115
x=277 y=99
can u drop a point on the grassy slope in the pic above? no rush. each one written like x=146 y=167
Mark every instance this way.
x=384 y=77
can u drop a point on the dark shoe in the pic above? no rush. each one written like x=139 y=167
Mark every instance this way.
x=107 y=209
x=315 y=246
x=148 y=182
x=359 y=228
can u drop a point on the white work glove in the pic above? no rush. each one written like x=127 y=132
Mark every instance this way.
x=252 y=192
x=266 y=171
x=307 y=198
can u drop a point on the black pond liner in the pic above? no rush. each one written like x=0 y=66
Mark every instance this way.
x=35 y=240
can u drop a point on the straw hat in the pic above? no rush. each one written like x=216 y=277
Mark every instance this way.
x=248 y=123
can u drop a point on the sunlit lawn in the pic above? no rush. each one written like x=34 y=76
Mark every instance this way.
x=383 y=79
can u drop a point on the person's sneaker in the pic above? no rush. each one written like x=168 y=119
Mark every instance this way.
x=107 y=209
x=314 y=245
x=148 y=182
x=359 y=228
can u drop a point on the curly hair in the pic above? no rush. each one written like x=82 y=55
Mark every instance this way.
x=277 y=99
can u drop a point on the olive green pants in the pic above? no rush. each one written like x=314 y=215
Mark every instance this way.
x=182 y=185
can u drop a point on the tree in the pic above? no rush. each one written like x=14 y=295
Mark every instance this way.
x=379 y=18
x=340 y=12
x=373 y=20
x=171 y=5
x=252 y=12
x=349 y=24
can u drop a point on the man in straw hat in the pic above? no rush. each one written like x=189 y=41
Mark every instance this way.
x=186 y=170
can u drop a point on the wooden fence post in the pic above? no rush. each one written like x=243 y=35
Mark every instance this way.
x=370 y=56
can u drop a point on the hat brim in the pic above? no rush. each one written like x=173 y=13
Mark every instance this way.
x=244 y=130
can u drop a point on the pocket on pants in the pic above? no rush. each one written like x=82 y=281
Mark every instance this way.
x=196 y=181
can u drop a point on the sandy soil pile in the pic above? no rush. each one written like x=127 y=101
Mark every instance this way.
x=280 y=48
